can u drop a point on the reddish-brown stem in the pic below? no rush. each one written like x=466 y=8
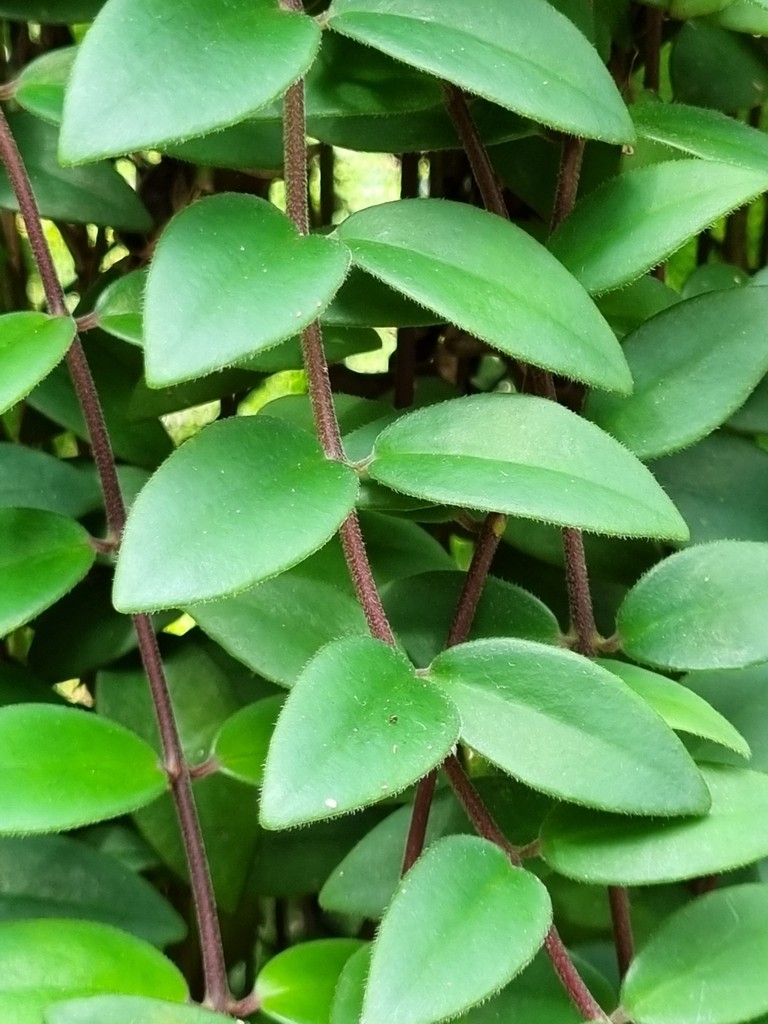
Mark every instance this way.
x=362 y=577
x=482 y=169
x=487 y=542
x=217 y=990
x=621 y=919
x=571 y=980
x=653 y=21
x=579 y=595
x=567 y=180
x=417 y=830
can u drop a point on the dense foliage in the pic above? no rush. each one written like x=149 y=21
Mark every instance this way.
x=503 y=593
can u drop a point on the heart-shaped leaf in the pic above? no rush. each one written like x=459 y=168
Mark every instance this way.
x=239 y=502
x=705 y=963
x=108 y=770
x=129 y=1010
x=297 y=985
x=718 y=338
x=702 y=608
x=638 y=219
x=253 y=51
x=528 y=58
x=454 y=259
x=357 y=727
x=591 y=749
x=42 y=556
x=43 y=962
x=481 y=933
x=605 y=849
x=232 y=268
x=527 y=457
x=241 y=744
x=30 y=345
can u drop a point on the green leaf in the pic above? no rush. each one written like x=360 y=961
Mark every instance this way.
x=40 y=86
x=452 y=258
x=236 y=261
x=607 y=849
x=241 y=744
x=591 y=749
x=626 y=308
x=701 y=608
x=704 y=963
x=701 y=46
x=30 y=478
x=129 y=1010
x=44 y=962
x=357 y=727
x=297 y=985
x=480 y=934
x=712 y=277
x=744 y=16
x=119 y=307
x=79 y=769
x=253 y=54
x=241 y=501
x=531 y=60
x=524 y=456
x=704 y=133
x=720 y=486
x=85 y=195
x=421 y=609
x=716 y=338
x=681 y=708
x=54 y=876
x=56 y=12
x=640 y=218
x=31 y=344
x=741 y=695
x=42 y=555
x=364 y=301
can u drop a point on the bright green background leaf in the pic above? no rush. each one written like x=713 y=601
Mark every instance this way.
x=30 y=345
x=297 y=985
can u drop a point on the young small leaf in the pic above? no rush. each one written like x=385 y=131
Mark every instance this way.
x=297 y=985
x=481 y=933
x=701 y=608
x=357 y=727
x=638 y=219
x=242 y=500
x=705 y=963
x=42 y=556
x=241 y=744
x=452 y=258
x=525 y=456
x=64 y=767
x=591 y=748
x=31 y=344
x=232 y=276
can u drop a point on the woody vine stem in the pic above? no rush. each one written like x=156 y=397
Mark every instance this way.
x=214 y=969
x=357 y=558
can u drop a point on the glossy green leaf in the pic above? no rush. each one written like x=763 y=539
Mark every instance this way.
x=297 y=985
x=531 y=60
x=481 y=934
x=681 y=708
x=704 y=133
x=591 y=749
x=241 y=501
x=705 y=963
x=357 y=727
x=744 y=16
x=452 y=258
x=40 y=86
x=50 y=11
x=119 y=307
x=30 y=346
x=234 y=260
x=85 y=195
x=42 y=555
x=741 y=695
x=247 y=145
x=256 y=51
x=720 y=486
x=109 y=771
x=30 y=478
x=701 y=46
x=364 y=301
x=717 y=338
x=129 y=1010
x=611 y=850
x=315 y=602
x=45 y=962
x=524 y=456
x=702 y=608
x=640 y=218
x=421 y=609
x=54 y=876
x=241 y=744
